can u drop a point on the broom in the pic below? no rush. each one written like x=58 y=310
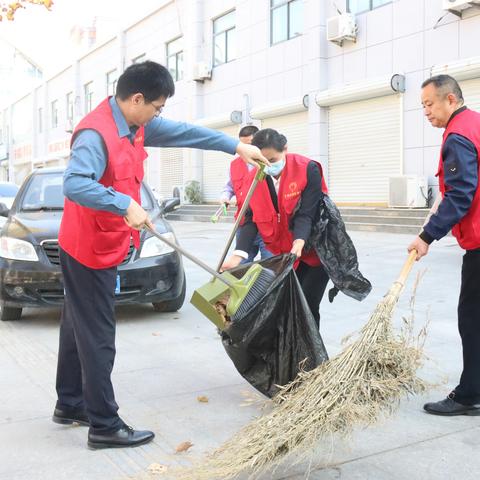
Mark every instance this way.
x=367 y=378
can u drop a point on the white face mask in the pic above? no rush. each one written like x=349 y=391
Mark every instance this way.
x=275 y=168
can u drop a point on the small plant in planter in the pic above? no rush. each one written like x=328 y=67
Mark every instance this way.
x=193 y=192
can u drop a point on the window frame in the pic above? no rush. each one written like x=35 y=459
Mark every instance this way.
x=88 y=96
x=112 y=84
x=273 y=7
x=54 y=114
x=139 y=58
x=40 y=120
x=370 y=7
x=223 y=32
x=177 y=76
x=70 y=105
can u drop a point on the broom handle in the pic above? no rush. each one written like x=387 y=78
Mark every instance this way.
x=259 y=176
x=181 y=250
x=407 y=266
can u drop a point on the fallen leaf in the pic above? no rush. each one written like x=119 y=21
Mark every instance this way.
x=183 y=447
x=202 y=399
x=157 y=468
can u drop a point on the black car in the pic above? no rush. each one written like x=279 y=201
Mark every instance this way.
x=30 y=273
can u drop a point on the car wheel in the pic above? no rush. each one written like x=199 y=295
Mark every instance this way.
x=10 y=313
x=174 y=304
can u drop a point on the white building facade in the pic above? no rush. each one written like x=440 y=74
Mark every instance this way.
x=354 y=106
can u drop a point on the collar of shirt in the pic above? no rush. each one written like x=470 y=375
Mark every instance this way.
x=456 y=112
x=276 y=183
x=123 y=129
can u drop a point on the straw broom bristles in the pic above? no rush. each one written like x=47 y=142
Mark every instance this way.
x=369 y=377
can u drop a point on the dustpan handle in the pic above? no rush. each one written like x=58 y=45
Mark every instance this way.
x=181 y=250
x=258 y=177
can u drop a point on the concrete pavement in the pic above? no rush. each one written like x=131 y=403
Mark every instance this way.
x=165 y=361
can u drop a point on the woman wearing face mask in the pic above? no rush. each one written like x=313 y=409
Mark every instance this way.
x=283 y=209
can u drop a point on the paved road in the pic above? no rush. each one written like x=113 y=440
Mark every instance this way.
x=165 y=361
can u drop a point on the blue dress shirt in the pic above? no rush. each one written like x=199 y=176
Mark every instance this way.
x=88 y=158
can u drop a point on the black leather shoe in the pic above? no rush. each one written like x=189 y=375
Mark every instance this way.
x=124 y=437
x=449 y=407
x=69 y=416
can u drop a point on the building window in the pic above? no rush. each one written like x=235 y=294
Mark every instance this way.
x=40 y=120
x=224 y=47
x=54 y=111
x=286 y=20
x=112 y=82
x=139 y=58
x=359 y=6
x=88 y=89
x=69 y=106
x=175 y=58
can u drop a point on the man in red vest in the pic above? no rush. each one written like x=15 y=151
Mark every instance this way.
x=237 y=186
x=102 y=215
x=459 y=211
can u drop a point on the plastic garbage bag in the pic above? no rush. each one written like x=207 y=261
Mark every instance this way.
x=337 y=253
x=270 y=342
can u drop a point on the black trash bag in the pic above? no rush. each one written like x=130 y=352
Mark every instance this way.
x=337 y=253
x=268 y=344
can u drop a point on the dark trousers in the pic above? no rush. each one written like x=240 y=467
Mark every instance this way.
x=468 y=391
x=87 y=344
x=313 y=281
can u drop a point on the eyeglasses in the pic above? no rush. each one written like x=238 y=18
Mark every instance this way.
x=158 y=108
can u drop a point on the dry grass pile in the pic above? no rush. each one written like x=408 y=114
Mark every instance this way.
x=367 y=379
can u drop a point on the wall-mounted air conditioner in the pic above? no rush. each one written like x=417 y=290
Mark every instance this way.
x=342 y=27
x=458 y=6
x=201 y=71
x=410 y=191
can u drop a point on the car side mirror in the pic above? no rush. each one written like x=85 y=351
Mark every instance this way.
x=170 y=204
x=4 y=210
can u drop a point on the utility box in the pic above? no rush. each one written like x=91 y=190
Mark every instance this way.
x=408 y=191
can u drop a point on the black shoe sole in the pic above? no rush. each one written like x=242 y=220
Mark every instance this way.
x=470 y=413
x=100 y=445
x=69 y=421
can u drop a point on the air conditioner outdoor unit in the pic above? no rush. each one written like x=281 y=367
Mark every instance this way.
x=458 y=6
x=342 y=27
x=409 y=191
x=201 y=72
x=178 y=191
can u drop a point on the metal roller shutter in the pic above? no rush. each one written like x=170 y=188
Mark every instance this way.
x=471 y=93
x=295 y=127
x=215 y=168
x=164 y=169
x=364 y=144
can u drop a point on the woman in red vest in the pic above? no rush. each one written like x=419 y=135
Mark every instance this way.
x=283 y=209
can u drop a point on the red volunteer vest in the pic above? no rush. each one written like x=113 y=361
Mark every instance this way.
x=467 y=231
x=273 y=226
x=96 y=238
x=241 y=181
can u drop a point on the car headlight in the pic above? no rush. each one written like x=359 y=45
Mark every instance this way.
x=153 y=246
x=16 y=249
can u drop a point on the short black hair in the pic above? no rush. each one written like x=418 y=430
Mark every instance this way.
x=269 y=138
x=149 y=78
x=248 y=131
x=445 y=84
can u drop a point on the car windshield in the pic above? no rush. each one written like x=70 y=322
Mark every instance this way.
x=8 y=190
x=45 y=192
